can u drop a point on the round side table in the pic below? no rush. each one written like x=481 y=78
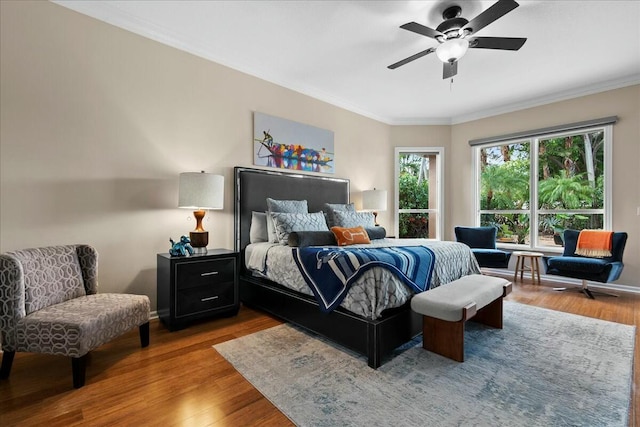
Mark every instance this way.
x=533 y=267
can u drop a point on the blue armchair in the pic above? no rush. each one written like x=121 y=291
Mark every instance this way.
x=482 y=241
x=601 y=270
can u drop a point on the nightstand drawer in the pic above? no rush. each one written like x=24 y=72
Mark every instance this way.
x=194 y=300
x=202 y=273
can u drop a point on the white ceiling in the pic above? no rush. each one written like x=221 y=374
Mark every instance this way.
x=338 y=51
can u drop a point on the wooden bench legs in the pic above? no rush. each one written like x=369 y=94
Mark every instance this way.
x=490 y=315
x=444 y=338
x=447 y=338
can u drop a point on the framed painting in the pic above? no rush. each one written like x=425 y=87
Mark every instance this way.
x=285 y=144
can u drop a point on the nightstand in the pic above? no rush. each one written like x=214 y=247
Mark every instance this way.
x=197 y=286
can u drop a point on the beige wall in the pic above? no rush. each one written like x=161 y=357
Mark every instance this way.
x=624 y=103
x=96 y=123
x=423 y=136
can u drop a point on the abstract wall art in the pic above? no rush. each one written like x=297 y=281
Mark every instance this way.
x=285 y=144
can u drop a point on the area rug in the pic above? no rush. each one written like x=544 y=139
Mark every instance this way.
x=545 y=368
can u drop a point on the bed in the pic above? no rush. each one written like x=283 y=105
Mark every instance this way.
x=374 y=336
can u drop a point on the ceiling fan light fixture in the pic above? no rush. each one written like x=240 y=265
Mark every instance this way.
x=452 y=50
x=456 y=35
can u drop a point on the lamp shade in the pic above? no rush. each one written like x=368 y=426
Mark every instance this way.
x=452 y=50
x=374 y=200
x=199 y=190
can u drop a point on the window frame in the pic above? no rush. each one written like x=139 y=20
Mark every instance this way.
x=534 y=211
x=439 y=211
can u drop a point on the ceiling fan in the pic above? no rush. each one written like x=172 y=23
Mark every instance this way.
x=456 y=34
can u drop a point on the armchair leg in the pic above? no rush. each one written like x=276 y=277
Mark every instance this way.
x=592 y=292
x=588 y=293
x=7 y=361
x=585 y=290
x=78 y=368
x=144 y=334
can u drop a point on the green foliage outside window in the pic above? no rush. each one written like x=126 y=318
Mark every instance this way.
x=413 y=194
x=570 y=177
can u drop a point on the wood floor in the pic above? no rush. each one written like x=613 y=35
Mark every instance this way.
x=179 y=380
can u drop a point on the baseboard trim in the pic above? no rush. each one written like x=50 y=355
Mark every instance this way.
x=567 y=280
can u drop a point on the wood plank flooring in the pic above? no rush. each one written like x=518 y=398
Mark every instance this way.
x=179 y=380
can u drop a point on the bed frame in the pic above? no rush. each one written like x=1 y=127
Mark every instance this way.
x=376 y=339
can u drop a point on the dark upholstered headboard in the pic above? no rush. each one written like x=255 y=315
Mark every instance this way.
x=253 y=186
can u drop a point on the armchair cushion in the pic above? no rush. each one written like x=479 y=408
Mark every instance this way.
x=492 y=258
x=75 y=327
x=492 y=255
x=587 y=265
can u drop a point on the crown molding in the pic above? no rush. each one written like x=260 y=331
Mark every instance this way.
x=631 y=80
x=110 y=13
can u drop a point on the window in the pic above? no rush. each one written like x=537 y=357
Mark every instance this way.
x=534 y=188
x=418 y=185
x=505 y=189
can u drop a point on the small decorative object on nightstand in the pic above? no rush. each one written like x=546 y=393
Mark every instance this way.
x=196 y=287
x=181 y=248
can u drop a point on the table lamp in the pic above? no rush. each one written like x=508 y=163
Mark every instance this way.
x=200 y=191
x=374 y=201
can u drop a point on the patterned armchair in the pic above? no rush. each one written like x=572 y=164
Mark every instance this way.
x=49 y=304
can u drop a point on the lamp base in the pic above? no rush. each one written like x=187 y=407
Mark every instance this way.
x=199 y=241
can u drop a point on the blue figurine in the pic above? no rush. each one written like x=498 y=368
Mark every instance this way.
x=181 y=248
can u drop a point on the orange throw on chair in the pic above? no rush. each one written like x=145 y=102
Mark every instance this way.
x=594 y=243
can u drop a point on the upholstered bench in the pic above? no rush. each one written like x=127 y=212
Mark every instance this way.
x=446 y=308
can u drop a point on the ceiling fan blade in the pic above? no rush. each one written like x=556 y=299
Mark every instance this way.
x=450 y=69
x=503 y=43
x=411 y=58
x=421 y=29
x=497 y=10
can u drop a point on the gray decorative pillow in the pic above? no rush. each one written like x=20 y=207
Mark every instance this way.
x=288 y=206
x=258 y=232
x=285 y=223
x=330 y=208
x=354 y=219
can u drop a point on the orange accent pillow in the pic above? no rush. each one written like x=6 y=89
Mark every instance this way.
x=350 y=236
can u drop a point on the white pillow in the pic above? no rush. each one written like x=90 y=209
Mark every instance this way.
x=258 y=231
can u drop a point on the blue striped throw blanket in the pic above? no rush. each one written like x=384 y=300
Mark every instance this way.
x=329 y=272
